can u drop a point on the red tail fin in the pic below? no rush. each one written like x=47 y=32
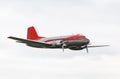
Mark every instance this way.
x=32 y=34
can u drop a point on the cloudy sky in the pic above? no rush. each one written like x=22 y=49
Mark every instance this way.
x=99 y=20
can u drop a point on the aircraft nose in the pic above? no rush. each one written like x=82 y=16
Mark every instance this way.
x=87 y=41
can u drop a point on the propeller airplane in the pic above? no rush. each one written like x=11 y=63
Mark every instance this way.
x=72 y=42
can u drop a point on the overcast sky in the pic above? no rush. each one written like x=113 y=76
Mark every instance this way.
x=99 y=20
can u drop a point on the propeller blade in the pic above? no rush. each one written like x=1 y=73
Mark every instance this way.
x=87 y=49
x=63 y=48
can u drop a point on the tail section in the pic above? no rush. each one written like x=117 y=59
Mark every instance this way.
x=32 y=34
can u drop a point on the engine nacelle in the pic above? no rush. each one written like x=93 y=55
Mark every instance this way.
x=76 y=47
x=57 y=43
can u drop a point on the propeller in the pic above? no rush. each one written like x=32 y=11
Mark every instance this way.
x=63 y=48
x=86 y=48
x=63 y=45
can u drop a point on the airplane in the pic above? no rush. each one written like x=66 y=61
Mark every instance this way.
x=72 y=42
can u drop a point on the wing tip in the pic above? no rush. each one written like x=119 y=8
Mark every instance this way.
x=99 y=46
x=9 y=36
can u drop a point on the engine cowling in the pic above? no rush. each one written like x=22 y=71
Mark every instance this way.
x=57 y=43
x=76 y=47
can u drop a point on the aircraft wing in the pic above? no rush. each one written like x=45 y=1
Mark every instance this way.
x=92 y=46
x=31 y=42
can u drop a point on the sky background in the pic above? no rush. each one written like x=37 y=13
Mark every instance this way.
x=98 y=20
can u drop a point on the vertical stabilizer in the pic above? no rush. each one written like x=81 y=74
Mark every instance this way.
x=32 y=34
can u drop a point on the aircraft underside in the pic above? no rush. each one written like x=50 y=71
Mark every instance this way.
x=72 y=46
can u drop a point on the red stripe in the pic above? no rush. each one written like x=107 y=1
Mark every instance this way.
x=74 y=37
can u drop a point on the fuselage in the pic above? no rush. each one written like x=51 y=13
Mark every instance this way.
x=75 y=42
